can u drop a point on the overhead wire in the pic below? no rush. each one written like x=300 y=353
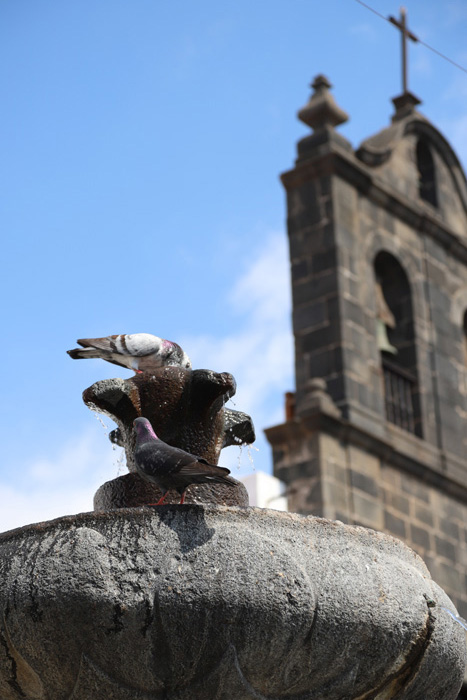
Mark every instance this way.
x=423 y=43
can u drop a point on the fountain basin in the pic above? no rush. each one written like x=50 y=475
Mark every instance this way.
x=196 y=602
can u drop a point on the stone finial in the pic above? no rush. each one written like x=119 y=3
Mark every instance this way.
x=405 y=105
x=317 y=399
x=322 y=109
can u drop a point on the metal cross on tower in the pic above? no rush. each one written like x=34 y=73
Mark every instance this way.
x=405 y=34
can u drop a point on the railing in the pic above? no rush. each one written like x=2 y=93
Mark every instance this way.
x=398 y=390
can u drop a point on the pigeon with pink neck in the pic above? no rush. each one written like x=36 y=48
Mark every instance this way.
x=170 y=467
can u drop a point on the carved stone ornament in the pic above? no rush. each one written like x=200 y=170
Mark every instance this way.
x=186 y=409
x=204 y=603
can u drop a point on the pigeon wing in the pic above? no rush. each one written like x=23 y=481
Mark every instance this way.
x=139 y=344
x=202 y=471
x=186 y=463
x=156 y=457
x=136 y=345
x=105 y=344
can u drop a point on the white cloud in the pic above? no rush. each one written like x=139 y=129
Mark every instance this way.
x=20 y=507
x=258 y=352
x=59 y=485
x=263 y=290
x=73 y=462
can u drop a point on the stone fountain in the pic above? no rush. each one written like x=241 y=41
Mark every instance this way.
x=213 y=599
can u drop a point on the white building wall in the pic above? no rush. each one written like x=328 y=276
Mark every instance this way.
x=265 y=491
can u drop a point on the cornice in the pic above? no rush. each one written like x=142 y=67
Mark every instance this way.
x=341 y=164
x=405 y=451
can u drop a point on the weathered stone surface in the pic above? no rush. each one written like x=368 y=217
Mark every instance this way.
x=185 y=407
x=357 y=219
x=130 y=490
x=188 y=603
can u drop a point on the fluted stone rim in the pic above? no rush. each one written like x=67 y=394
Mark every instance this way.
x=194 y=602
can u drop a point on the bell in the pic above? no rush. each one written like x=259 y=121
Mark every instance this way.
x=382 y=339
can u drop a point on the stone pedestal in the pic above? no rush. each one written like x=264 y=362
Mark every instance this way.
x=186 y=408
x=201 y=602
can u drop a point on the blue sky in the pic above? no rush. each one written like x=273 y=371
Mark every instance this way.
x=141 y=147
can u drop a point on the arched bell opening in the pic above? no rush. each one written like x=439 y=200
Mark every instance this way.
x=395 y=338
x=427 y=173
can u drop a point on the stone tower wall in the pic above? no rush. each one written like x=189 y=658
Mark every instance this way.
x=339 y=454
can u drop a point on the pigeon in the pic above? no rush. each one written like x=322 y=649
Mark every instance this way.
x=170 y=467
x=141 y=352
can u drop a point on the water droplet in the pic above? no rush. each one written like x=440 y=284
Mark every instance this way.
x=457 y=618
x=227 y=399
x=99 y=419
x=119 y=463
x=250 y=455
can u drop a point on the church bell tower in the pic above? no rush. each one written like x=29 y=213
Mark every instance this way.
x=376 y=430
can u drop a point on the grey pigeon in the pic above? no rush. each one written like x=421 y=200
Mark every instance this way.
x=170 y=467
x=141 y=352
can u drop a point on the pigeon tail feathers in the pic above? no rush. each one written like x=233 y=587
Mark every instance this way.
x=84 y=353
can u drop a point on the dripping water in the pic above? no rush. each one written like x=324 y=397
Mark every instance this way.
x=240 y=453
x=99 y=419
x=249 y=449
x=457 y=618
x=119 y=461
